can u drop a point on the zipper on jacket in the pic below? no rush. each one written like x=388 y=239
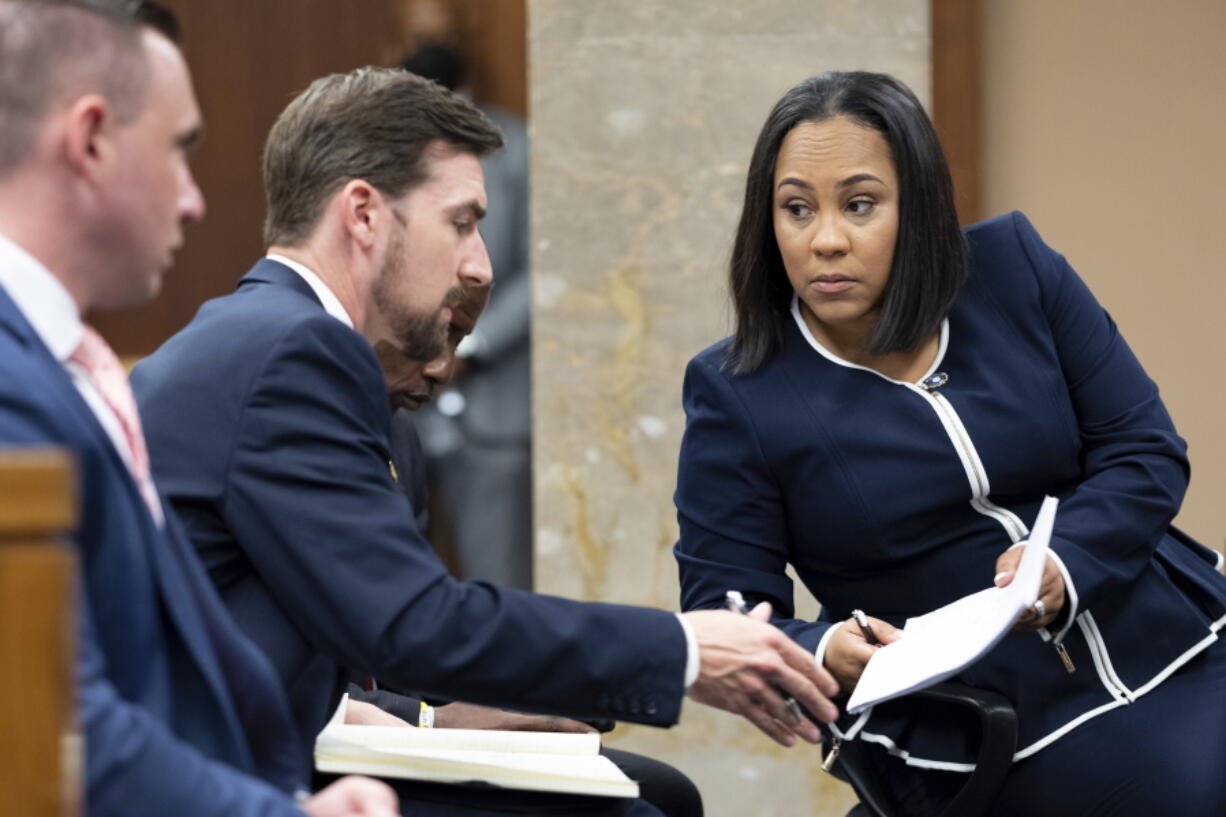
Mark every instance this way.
x=1062 y=651
x=836 y=746
x=977 y=475
x=1102 y=661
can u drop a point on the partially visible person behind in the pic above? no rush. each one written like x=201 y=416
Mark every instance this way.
x=413 y=384
x=180 y=713
x=478 y=435
x=894 y=405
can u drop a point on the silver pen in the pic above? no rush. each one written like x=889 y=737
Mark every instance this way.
x=866 y=629
x=734 y=601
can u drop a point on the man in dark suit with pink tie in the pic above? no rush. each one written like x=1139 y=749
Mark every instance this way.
x=180 y=713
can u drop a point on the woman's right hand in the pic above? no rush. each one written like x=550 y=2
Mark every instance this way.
x=847 y=651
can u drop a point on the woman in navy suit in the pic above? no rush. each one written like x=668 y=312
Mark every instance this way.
x=897 y=399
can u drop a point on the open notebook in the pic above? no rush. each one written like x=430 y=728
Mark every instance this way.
x=944 y=642
x=540 y=761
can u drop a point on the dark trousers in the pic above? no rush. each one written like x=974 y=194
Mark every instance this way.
x=1162 y=756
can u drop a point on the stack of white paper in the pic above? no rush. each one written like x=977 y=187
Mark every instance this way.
x=942 y=643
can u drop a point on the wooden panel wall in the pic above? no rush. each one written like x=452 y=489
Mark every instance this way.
x=492 y=35
x=40 y=759
x=955 y=97
x=248 y=59
x=494 y=39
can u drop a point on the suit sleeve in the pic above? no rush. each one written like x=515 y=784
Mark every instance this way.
x=734 y=534
x=1134 y=468
x=310 y=497
x=134 y=764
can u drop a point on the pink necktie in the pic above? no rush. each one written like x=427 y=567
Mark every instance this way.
x=108 y=377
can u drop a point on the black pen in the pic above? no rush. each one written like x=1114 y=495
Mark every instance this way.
x=735 y=602
x=866 y=629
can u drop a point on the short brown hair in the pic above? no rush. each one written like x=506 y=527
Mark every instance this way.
x=53 y=48
x=372 y=124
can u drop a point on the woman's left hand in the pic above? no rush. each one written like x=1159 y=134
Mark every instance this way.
x=1051 y=590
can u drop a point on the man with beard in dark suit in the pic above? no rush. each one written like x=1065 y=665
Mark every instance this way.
x=268 y=425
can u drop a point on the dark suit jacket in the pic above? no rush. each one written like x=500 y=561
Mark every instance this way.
x=410 y=462
x=173 y=701
x=267 y=422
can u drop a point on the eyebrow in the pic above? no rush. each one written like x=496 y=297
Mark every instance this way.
x=859 y=177
x=475 y=209
x=848 y=182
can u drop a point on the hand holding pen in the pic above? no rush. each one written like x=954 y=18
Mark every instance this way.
x=853 y=644
x=866 y=627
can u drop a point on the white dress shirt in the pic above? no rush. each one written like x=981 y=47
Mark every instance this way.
x=332 y=304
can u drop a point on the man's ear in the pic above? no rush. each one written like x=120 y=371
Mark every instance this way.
x=87 y=135
x=362 y=211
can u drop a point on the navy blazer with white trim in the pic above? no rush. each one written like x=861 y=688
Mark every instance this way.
x=853 y=479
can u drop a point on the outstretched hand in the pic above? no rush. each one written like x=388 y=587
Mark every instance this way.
x=747 y=666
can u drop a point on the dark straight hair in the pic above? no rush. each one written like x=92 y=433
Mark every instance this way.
x=930 y=257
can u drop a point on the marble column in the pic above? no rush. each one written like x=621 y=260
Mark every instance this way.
x=643 y=116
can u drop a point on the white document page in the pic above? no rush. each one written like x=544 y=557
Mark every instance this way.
x=942 y=643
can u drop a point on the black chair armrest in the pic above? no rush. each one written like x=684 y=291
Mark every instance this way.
x=998 y=742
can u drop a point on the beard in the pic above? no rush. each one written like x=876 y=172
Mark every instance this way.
x=421 y=335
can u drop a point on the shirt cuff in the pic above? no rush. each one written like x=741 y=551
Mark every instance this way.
x=691 y=652
x=820 y=653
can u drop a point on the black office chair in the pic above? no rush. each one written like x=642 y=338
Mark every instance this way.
x=997 y=743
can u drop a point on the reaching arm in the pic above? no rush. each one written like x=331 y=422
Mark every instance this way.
x=310 y=498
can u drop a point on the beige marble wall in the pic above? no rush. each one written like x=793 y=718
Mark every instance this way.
x=643 y=116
